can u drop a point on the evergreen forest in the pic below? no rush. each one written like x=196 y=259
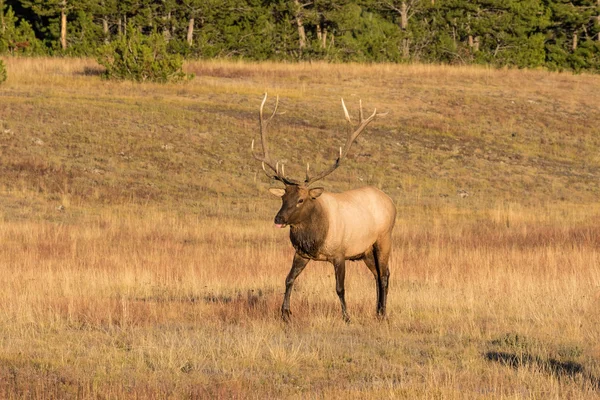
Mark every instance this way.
x=553 y=34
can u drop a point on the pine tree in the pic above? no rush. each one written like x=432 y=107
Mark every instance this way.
x=571 y=43
x=404 y=11
x=558 y=34
x=193 y=10
x=104 y=12
x=510 y=32
x=58 y=11
x=17 y=36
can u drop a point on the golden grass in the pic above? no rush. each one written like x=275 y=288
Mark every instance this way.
x=139 y=260
x=129 y=305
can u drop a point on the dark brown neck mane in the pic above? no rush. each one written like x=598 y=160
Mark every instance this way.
x=308 y=236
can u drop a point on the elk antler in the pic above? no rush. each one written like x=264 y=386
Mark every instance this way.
x=351 y=138
x=279 y=173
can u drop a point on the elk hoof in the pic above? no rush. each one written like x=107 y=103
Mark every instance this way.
x=346 y=318
x=286 y=315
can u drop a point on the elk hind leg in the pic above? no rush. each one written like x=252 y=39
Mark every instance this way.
x=371 y=262
x=381 y=252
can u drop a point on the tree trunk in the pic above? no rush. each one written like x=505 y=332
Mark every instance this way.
x=575 y=41
x=63 y=25
x=474 y=43
x=404 y=26
x=190 y=32
x=105 y=28
x=454 y=37
x=322 y=35
x=405 y=48
x=2 y=16
x=598 y=21
x=166 y=30
x=300 y=24
x=119 y=26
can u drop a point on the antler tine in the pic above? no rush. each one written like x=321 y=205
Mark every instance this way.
x=264 y=169
x=352 y=135
x=263 y=128
x=266 y=159
x=262 y=105
x=346 y=111
x=360 y=111
x=307 y=169
x=274 y=108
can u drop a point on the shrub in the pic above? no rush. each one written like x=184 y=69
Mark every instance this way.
x=2 y=72
x=141 y=58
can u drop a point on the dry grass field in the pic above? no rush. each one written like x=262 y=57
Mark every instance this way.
x=138 y=257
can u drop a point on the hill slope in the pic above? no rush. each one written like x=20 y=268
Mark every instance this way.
x=69 y=138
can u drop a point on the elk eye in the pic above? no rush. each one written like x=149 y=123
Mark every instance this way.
x=300 y=201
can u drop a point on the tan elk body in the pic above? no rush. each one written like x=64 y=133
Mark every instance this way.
x=334 y=227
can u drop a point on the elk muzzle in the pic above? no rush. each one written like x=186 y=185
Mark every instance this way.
x=280 y=221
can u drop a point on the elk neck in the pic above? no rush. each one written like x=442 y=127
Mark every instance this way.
x=308 y=236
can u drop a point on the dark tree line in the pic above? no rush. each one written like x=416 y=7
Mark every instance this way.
x=557 y=34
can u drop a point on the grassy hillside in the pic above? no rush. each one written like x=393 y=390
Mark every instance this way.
x=139 y=260
x=530 y=137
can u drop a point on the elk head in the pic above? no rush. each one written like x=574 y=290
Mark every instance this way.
x=298 y=202
x=298 y=199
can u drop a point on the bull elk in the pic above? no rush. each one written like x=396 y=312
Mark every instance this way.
x=334 y=227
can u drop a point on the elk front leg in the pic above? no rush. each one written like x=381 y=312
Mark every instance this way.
x=340 y=276
x=297 y=267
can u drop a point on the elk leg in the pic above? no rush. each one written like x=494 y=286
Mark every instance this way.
x=340 y=276
x=371 y=263
x=297 y=267
x=381 y=252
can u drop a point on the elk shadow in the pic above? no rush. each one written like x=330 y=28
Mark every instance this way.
x=560 y=369
x=255 y=304
x=91 y=71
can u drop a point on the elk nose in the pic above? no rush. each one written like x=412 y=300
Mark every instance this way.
x=279 y=222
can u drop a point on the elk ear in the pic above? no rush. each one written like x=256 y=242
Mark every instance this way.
x=277 y=192
x=316 y=192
